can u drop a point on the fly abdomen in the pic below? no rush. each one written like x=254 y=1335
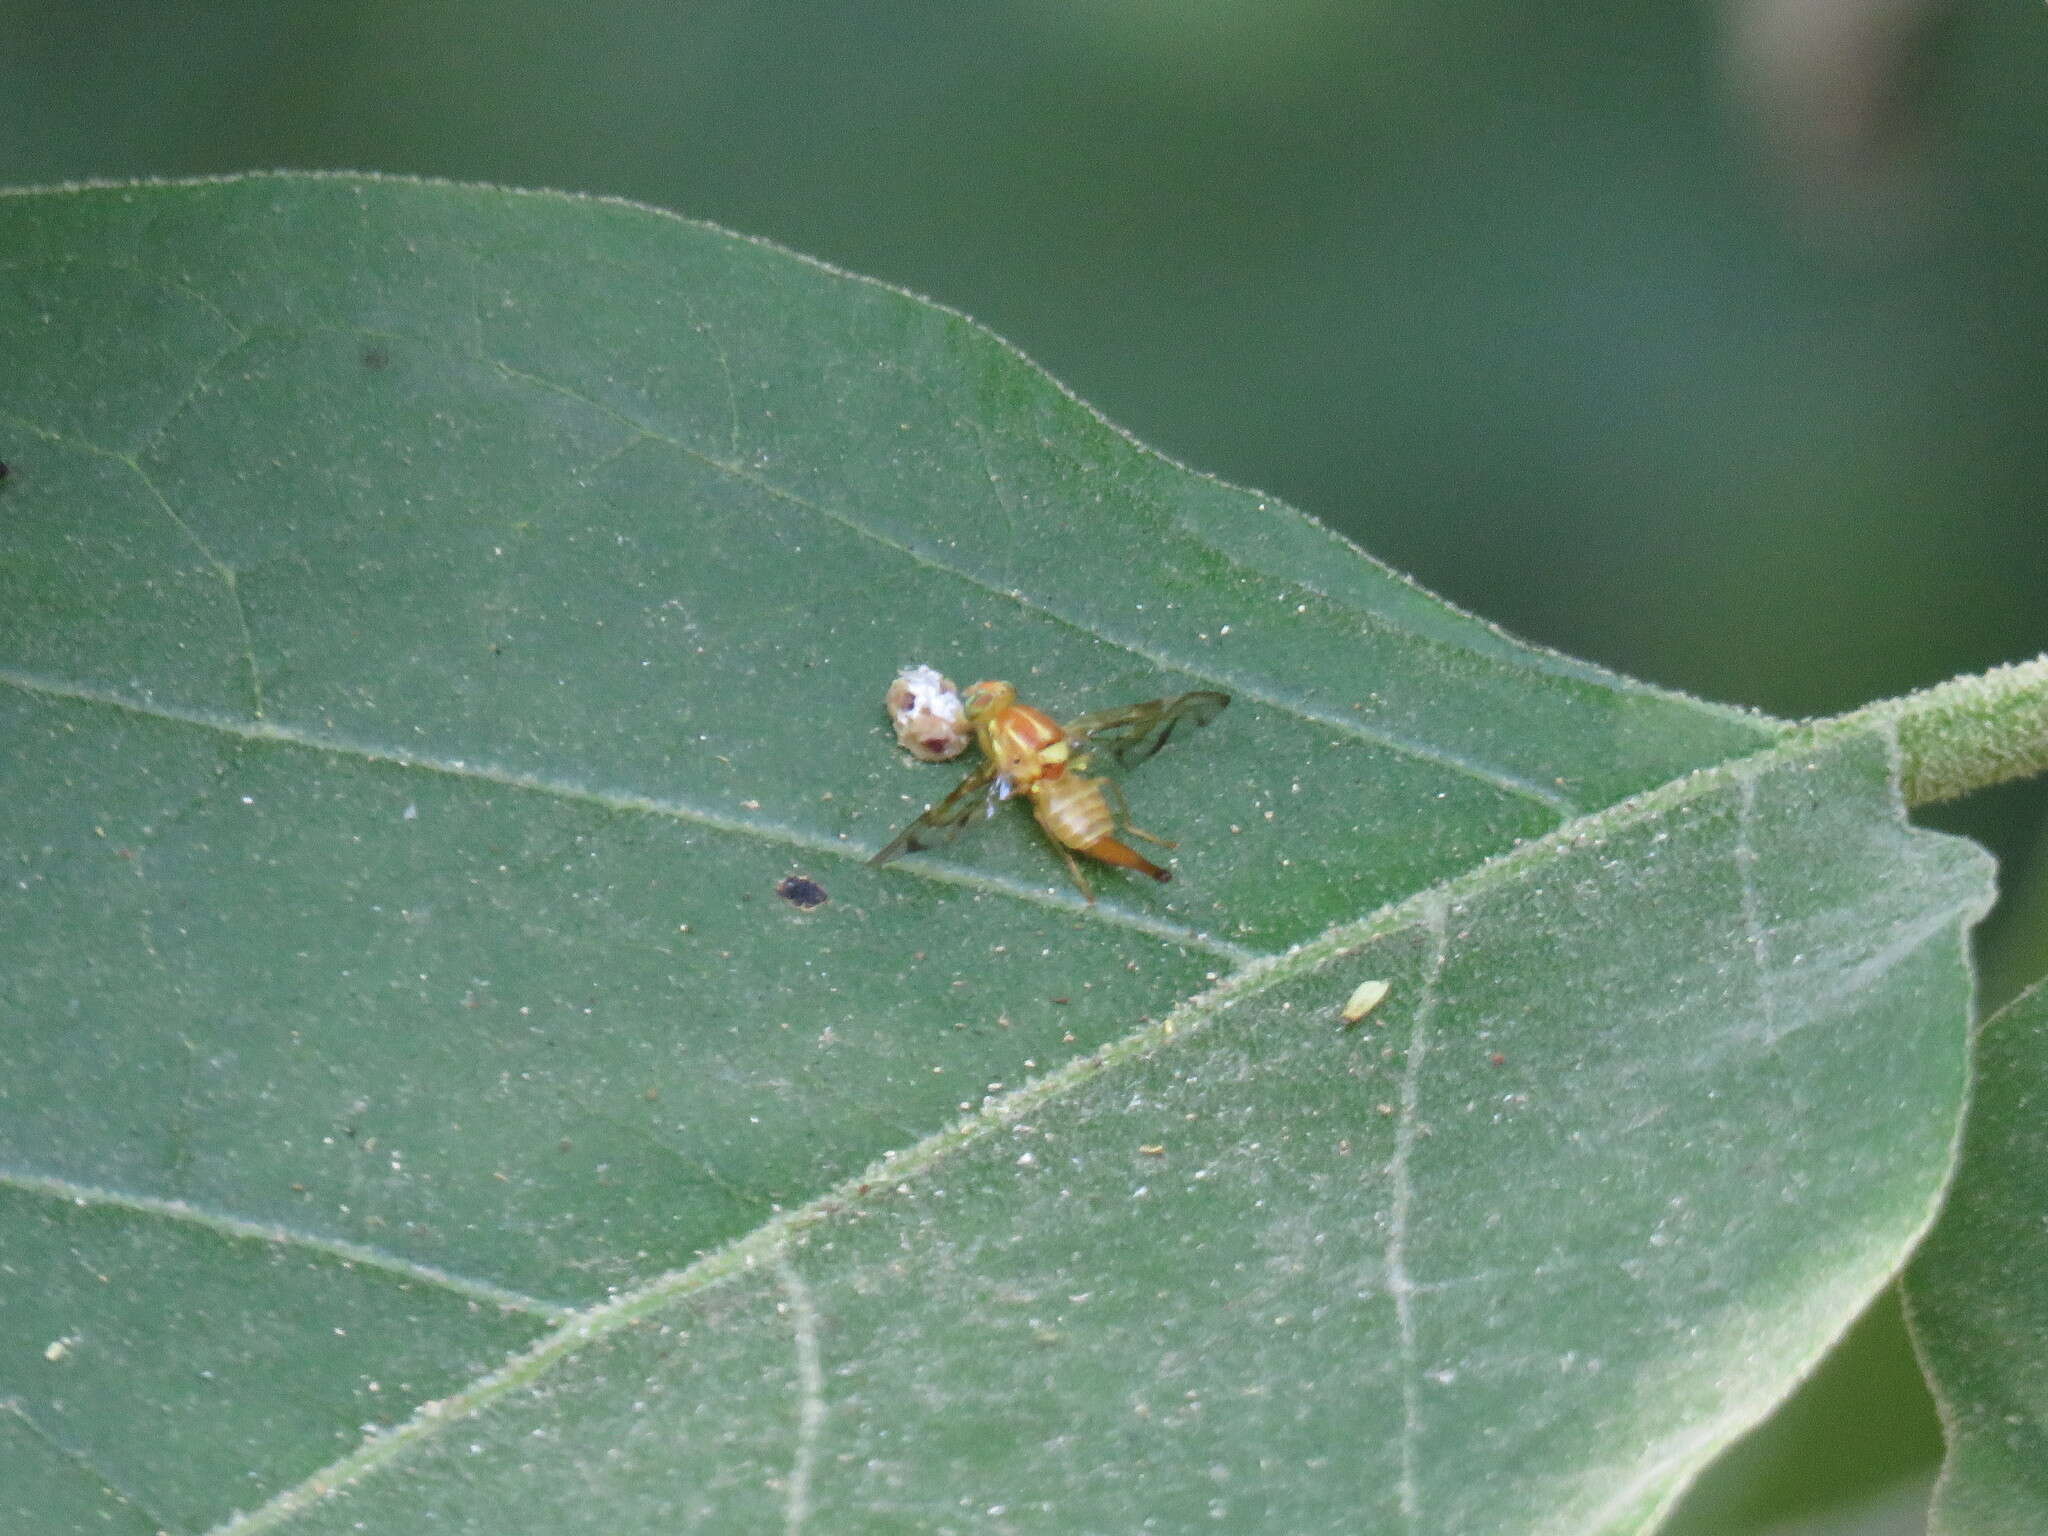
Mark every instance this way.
x=1072 y=809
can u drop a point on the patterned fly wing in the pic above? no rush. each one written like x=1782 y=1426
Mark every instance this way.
x=1129 y=735
x=979 y=791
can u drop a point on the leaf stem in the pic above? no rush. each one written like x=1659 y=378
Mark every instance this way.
x=1965 y=734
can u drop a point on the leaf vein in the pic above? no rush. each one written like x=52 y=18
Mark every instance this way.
x=1399 y=1284
x=1756 y=933
x=239 y=1227
x=810 y=1381
x=273 y=732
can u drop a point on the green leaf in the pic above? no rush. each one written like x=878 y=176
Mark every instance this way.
x=1974 y=1294
x=432 y=622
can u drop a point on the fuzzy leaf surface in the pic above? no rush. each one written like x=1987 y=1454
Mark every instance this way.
x=433 y=622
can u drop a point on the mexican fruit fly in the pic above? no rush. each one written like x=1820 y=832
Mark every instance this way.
x=1026 y=752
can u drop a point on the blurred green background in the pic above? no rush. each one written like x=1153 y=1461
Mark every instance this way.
x=1710 y=343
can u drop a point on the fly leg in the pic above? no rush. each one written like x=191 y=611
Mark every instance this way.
x=1074 y=869
x=1115 y=792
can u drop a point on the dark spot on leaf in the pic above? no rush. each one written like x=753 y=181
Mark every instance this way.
x=801 y=893
x=3 y=471
x=376 y=359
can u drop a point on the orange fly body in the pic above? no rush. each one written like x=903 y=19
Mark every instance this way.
x=1026 y=752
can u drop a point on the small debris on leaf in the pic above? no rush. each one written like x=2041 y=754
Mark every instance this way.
x=1365 y=997
x=802 y=893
